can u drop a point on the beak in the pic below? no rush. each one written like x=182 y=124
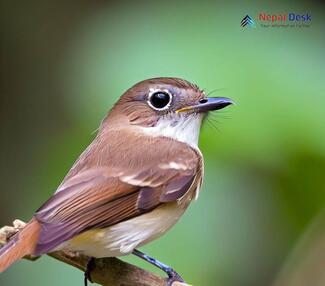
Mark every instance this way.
x=208 y=104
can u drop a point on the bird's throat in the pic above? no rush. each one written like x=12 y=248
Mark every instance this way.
x=183 y=128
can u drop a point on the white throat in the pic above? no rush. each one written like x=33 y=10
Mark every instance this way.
x=181 y=128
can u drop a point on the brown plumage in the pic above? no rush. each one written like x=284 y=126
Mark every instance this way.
x=103 y=190
x=132 y=183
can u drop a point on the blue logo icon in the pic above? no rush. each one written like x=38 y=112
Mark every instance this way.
x=247 y=21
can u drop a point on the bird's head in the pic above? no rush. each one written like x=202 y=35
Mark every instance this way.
x=170 y=107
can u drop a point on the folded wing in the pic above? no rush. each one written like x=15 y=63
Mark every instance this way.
x=103 y=196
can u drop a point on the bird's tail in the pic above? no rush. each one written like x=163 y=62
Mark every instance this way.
x=21 y=244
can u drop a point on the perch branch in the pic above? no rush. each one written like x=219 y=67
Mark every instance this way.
x=108 y=271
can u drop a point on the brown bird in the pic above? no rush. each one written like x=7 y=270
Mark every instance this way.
x=132 y=183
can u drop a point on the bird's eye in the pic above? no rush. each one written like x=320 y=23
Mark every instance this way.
x=160 y=100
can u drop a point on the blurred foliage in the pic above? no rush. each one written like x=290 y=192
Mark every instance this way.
x=63 y=64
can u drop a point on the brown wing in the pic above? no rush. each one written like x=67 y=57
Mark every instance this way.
x=103 y=196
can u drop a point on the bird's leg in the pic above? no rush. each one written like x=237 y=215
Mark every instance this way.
x=172 y=274
x=89 y=268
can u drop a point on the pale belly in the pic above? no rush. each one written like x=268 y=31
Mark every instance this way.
x=122 y=238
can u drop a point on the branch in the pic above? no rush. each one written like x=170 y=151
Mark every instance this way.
x=108 y=271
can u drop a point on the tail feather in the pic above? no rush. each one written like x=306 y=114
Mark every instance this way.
x=21 y=244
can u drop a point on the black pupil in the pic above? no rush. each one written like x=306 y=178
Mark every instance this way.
x=159 y=99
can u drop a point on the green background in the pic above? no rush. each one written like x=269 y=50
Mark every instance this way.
x=63 y=65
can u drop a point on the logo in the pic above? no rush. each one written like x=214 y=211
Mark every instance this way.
x=247 y=21
x=278 y=20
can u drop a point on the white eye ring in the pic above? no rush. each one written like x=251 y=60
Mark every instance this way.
x=153 y=92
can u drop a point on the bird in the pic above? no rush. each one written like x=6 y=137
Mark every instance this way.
x=131 y=184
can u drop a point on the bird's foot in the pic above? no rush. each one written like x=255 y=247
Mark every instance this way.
x=173 y=276
x=89 y=268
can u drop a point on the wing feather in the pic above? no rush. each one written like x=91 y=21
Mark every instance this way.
x=102 y=196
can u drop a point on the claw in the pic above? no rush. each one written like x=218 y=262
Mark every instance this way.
x=172 y=280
